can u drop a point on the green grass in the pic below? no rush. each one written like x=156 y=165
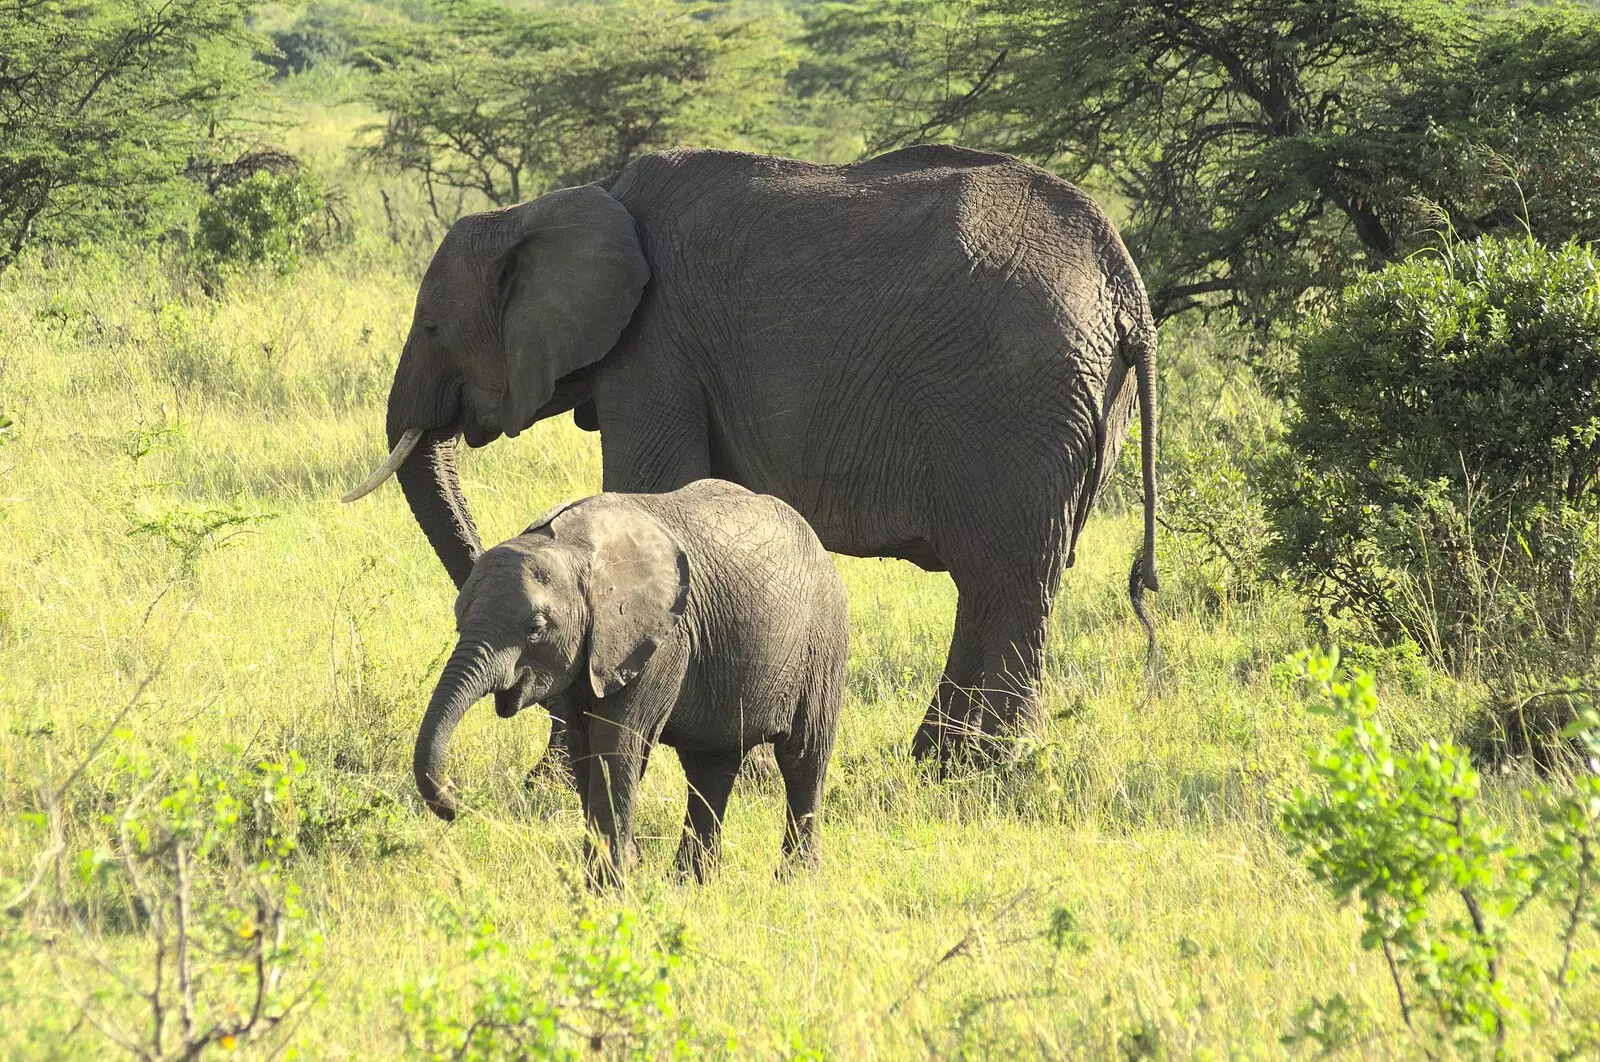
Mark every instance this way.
x=140 y=402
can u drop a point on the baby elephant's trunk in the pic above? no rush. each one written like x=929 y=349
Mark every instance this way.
x=471 y=673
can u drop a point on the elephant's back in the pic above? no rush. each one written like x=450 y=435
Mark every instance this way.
x=753 y=546
x=855 y=329
x=763 y=592
x=757 y=257
x=967 y=193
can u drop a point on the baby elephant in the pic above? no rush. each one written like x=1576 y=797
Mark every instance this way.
x=709 y=619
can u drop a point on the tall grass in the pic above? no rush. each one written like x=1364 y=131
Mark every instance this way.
x=175 y=453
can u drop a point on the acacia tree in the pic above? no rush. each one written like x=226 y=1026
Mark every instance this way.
x=508 y=104
x=1264 y=149
x=106 y=104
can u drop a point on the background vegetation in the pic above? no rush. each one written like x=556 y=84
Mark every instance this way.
x=1364 y=226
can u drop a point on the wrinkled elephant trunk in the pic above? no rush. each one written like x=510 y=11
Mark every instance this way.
x=471 y=673
x=432 y=488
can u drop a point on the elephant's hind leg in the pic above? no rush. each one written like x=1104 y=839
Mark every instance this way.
x=802 y=757
x=1008 y=615
x=945 y=726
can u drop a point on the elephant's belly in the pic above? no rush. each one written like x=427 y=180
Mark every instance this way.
x=717 y=725
x=857 y=497
x=918 y=551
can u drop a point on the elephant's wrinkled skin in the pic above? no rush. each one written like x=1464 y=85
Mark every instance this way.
x=709 y=619
x=931 y=355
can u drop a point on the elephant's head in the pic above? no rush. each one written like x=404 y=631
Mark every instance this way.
x=586 y=594
x=514 y=301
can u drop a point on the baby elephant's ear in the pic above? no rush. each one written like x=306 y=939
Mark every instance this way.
x=637 y=588
x=548 y=517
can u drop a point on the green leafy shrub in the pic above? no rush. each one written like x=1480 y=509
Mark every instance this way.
x=106 y=107
x=1440 y=477
x=1212 y=515
x=1406 y=837
x=174 y=927
x=266 y=219
x=598 y=989
x=324 y=33
x=505 y=103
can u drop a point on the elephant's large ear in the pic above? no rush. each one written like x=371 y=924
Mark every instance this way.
x=567 y=291
x=549 y=517
x=637 y=588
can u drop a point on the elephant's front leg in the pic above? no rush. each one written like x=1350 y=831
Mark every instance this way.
x=655 y=433
x=614 y=760
x=710 y=776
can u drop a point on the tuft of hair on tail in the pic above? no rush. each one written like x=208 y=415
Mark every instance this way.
x=1142 y=576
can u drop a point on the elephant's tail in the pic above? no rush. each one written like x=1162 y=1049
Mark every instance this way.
x=1142 y=577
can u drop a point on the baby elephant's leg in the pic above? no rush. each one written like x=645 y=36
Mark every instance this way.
x=803 y=768
x=803 y=756
x=710 y=776
x=613 y=756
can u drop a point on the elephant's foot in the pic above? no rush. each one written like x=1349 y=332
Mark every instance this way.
x=555 y=766
x=796 y=863
x=946 y=732
x=696 y=859
x=606 y=866
x=556 y=763
x=984 y=734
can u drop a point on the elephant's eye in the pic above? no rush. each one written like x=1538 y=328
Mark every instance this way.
x=537 y=625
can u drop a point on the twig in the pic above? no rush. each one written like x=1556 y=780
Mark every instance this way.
x=1579 y=893
x=1399 y=986
x=959 y=948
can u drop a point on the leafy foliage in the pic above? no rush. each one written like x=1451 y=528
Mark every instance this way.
x=1265 y=149
x=104 y=105
x=266 y=219
x=1398 y=833
x=1218 y=426
x=508 y=104
x=1440 y=476
x=193 y=861
x=600 y=989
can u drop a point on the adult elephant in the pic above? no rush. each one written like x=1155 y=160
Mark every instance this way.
x=931 y=355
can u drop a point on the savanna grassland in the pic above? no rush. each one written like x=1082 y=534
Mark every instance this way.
x=170 y=507
x=175 y=560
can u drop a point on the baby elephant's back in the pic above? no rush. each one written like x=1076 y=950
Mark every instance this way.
x=762 y=589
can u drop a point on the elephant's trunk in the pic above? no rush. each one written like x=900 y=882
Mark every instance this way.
x=468 y=675
x=421 y=399
x=432 y=488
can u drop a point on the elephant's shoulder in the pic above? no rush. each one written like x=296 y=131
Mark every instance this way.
x=705 y=489
x=700 y=165
x=921 y=158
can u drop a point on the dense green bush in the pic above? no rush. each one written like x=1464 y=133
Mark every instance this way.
x=1407 y=839
x=1440 y=474
x=266 y=219
x=107 y=108
x=324 y=33
x=1218 y=425
x=505 y=104
x=599 y=989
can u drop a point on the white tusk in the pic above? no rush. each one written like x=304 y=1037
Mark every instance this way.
x=396 y=458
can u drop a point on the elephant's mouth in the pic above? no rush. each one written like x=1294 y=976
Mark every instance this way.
x=524 y=690
x=480 y=416
x=476 y=434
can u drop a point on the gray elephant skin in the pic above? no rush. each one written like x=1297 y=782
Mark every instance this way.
x=931 y=355
x=709 y=619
